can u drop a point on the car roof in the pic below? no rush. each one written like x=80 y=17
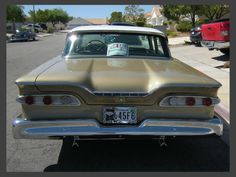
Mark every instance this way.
x=117 y=28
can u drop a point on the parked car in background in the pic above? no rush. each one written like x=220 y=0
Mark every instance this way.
x=196 y=36
x=23 y=35
x=116 y=81
x=43 y=26
x=37 y=28
x=216 y=35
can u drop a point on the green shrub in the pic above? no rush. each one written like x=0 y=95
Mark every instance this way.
x=169 y=22
x=148 y=25
x=24 y=28
x=50 y=29
x=165 y=23
x=184 y=26
x=171 y=33
x=140 y=23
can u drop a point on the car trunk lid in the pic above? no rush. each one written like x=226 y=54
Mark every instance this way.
x=86 y=77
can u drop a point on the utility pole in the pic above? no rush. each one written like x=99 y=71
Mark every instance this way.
x=33 y=18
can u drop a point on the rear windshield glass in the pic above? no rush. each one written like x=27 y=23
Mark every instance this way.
x=115 y=44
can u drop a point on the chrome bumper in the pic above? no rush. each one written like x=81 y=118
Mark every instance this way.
x=26 y=129
x=215 y=44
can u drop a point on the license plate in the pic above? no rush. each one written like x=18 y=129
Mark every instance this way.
x=120 y=115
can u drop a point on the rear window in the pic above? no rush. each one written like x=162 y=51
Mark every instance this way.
x=121 y=44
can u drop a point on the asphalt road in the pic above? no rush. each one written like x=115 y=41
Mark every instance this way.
x=181 y=154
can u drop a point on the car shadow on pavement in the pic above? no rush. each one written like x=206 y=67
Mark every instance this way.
x=181 y=154
x=221 y=58
x=36 y=40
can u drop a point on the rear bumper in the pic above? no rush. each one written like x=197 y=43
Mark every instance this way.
x=26 y=129
x=215 y=44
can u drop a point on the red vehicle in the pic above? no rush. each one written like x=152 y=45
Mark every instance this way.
x=215 y=35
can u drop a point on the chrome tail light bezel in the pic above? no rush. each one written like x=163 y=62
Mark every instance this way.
x=57 y=100
x=179 y=101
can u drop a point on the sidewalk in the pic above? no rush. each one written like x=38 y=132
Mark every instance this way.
x=178 y=40
x=44 y=34
x=206 y=61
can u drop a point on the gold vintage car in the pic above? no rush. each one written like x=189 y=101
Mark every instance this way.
x=116 y=81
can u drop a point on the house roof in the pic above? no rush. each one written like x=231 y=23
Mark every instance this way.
x=148 y=14
x=117 y=28
x=97 y=21
x=155 y=9
x=79 y=21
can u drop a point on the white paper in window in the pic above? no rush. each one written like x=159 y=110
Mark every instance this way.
x=117 y=49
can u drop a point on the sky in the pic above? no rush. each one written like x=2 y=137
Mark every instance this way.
x=86 y=11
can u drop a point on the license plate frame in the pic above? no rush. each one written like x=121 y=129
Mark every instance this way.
x=120 y=115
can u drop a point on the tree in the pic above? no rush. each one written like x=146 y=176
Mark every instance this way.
x=213 y=12
x=41 y=16
x=172 y=12
x=191 y=11
x=15 y=13
x=175 y=12
x=133 y=13
x=54 y=16
x=141 y=21
x=58 y=15
x=116 y=17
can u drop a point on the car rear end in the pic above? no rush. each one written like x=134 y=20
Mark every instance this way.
x=216 y=35
x=176 y=107
x=81 y=94
x=195 y=35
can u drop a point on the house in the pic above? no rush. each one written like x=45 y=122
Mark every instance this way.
x=97 y=21
x=155 y=17
x=75 y=22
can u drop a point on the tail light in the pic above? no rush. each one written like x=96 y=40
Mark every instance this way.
x=190 y=101
x=224 y=33
x=224 y=28
x=207 y=101
x=47 y=100
x=29 y=100
x=187 y=101
x=54 y=100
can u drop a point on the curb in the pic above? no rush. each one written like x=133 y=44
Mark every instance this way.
x=223 y=111
x=45 y=35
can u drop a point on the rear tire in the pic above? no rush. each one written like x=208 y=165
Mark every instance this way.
x=199 y=44
x=225 y=51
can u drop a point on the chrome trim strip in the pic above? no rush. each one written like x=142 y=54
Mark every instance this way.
x=120 y=94
x=26 y=129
